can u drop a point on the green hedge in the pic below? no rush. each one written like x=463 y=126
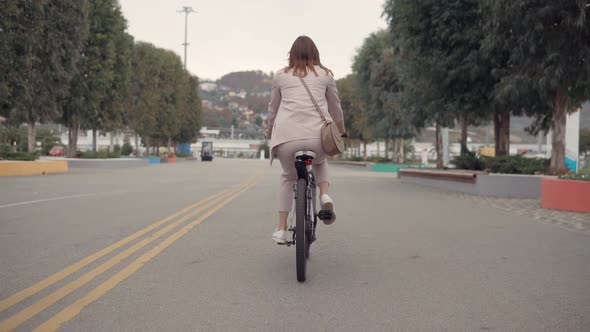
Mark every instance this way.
x=578 y=177
x=98 y=155
x=24 y=156
x=127 y=149
x=503 y=164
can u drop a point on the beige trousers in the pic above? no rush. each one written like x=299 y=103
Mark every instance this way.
x=285 y=153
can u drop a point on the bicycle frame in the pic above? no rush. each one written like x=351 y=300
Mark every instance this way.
x=305 y=171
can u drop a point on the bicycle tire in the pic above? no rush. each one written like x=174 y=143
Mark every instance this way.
x=300 y=229
x=310 y=227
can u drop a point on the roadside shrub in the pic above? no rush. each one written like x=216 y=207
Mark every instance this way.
x=24 y=156
x=117 y=148
x=378 y=160
x=577 y=177
x=183 y=155
x=503 y=164
x=5 y=148
x=517 y=165
x=48 y=140
x=103 y=154
x=126 y=149
x=469 y=161
x=353 y=158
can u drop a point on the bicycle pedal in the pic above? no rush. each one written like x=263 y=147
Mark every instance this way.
x=288 y=243
x=325 y=214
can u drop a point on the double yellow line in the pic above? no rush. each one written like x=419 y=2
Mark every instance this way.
x=209 y=206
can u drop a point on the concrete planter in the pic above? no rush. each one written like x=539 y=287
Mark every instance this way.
x=393 y=168
x=13 y=168
x=477 y=183
x=565 y=195
x=172 y=160
x=153 y=160
x=107 y=163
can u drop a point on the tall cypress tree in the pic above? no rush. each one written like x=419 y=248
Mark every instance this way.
x=41 y=42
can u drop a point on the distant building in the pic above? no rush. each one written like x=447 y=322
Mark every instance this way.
x=208 y=86
x=233 y=106
x=209 y=133
x=242 y=94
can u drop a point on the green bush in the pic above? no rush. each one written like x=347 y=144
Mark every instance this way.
x=469 y=161
x=517 y=165
x=354 y=159
x=127 y=149
x=48 y=140
x=24 y=156
x=5 y=148
x=117 y=148
x=183 y=155
x=503 y=164
x=103 y=154
x=378 y=160
x=577 y=177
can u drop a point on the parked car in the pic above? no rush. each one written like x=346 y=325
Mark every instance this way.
x=57 y=151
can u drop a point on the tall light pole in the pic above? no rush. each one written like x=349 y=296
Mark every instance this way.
x=186 y=11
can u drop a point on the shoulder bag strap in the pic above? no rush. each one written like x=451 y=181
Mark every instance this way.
x=313 y=99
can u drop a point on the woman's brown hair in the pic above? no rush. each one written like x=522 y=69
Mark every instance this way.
x=304 y=55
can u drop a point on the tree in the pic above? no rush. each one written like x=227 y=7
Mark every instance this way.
x=585 y=144
x=190 y=120
x=258 y=121
x=424 y=90
x=376 y=68
x=41 y=41
x=354 y=116
x=101 y=56
x=442 y=64
x=99 y=91
x=549 y=43
x=144 y=91
x=165 y=105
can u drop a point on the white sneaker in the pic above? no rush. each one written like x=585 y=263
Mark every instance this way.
x=328 y=204
x=280 y=237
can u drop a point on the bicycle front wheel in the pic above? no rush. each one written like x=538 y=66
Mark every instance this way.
x=300 y=229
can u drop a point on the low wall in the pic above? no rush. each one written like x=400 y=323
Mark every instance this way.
x=565 y=195
x=494 y=185
x=107 y=163
x=393 y=168
x=509 y=185
x=12 y=168
x=349 y=163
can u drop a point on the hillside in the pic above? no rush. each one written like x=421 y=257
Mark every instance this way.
x=248 y=81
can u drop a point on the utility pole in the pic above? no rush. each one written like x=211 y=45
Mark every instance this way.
x=186 y=11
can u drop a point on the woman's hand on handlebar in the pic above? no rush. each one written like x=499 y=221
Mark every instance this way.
x=344 y=135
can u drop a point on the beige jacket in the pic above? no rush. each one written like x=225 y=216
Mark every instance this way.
x=291 y=113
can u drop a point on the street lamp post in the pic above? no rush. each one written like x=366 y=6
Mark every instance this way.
x=186 y=11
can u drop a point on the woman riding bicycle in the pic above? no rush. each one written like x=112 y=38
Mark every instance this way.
x=294 y=123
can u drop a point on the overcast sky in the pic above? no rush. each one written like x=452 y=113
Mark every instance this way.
x=236 y=35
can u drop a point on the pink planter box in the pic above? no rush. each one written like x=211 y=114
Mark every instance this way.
x=565 y=195
x=171 y=160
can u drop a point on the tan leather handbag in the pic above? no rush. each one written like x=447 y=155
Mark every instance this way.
x=331 y=137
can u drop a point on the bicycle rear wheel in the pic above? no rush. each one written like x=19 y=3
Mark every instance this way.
x=301 y=246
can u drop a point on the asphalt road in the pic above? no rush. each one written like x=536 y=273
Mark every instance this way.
x=108 y=250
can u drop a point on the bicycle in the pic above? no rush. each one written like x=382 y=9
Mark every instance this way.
x=304 y=212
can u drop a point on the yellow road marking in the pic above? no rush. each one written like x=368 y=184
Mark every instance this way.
x=28 y=292
x=74 y=309
x=29 y=312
